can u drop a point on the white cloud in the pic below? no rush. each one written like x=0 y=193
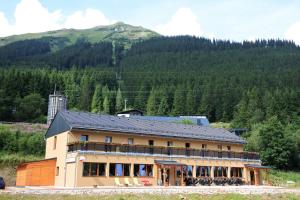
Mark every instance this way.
x=5 y=28
x=183 y=22
x=86 y=19
x=32 y=17
x=293 y=33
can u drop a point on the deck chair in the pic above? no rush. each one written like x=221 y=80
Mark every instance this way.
x=117 y=182
x=126 y=181
x=136 y=182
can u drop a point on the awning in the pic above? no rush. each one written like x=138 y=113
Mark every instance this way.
x=168 y=163
x=254 y=166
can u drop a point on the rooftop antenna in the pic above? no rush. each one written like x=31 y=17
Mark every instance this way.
x=54 y=88
x=125 y=100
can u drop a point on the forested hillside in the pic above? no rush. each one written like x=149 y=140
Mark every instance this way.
x=251 y=84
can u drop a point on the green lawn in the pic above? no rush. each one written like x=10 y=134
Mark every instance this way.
x=152 y=197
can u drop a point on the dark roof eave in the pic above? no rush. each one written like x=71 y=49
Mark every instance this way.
x=136 y=132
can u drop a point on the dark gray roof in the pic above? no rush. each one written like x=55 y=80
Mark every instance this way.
x=90 y=121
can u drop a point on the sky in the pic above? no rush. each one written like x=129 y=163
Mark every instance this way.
x=235 y=20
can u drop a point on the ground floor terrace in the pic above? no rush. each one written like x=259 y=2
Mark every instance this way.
x=97 y=169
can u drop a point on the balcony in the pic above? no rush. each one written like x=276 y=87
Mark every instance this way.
x=159 y=151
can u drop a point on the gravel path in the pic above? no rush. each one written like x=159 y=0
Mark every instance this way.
x=205 y=190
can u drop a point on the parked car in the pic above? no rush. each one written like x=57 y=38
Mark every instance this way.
x=2 y=183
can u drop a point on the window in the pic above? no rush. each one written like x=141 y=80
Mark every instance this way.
x=202 y=171
x=57 y=171
x=93 y=169
x=84 y=138
x=187 y=151
x=136 y=170
x=188 y=170
x=151 y=143
x=204 y=146
x=169 y=143
x=228 y=148
x=149 y=170
x=54 y=142
x=101 y=171
x=119 y=169
x=130 y=141
x=220 y=147
x=126 y=169
x=169 y=150
x=236 y=172
x=86 y=169
x=112 y=169
x=108 y=139
x=220 y=172
x=143 y=170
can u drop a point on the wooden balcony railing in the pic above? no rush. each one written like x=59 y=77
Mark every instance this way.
x=166 y=151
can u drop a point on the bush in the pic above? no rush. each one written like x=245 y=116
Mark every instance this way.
x=21 y=143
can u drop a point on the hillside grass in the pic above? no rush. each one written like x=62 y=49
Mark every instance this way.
x=153 y=197
x=280 y=178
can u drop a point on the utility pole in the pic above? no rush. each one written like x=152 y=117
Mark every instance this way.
x=125 y=100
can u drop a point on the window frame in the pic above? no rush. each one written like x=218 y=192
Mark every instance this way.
x=110 y=138
x=132 y=141
x=123 y=169
x=86 y=136
x=146 y=170
x=90 y=169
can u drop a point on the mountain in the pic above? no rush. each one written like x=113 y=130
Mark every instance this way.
x=102 y=45
x=119 y=31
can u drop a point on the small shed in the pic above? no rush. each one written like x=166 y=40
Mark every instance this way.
x=36 y=173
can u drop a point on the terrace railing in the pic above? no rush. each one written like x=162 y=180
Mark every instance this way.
x=155 y=150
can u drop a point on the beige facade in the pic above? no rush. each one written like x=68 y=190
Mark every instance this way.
x=70 y=163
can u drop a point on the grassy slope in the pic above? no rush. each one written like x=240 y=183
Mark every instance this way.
x=119 y=31
x=281 y=177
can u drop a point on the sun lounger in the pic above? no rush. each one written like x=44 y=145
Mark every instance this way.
x=126 y=182
x=117 y=182
x=136 y=182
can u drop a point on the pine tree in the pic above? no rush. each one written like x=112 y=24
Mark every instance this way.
x=191 y=102
x=106 y=105
x=179 y=102
x=152 y=103
x=119 y=101
x=86 y=93
x=163 y=108
x=97 y=100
